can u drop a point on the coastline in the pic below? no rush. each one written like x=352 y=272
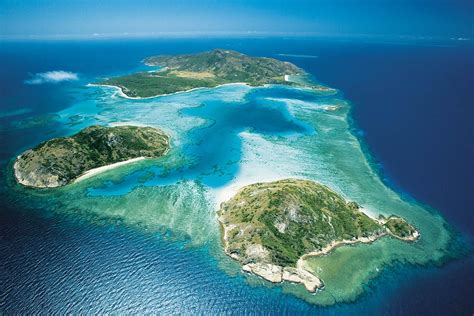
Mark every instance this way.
x=397 y=287
x=301 y=273
x=92 y=172
x=123 y=95
x=251 y=171
x=338 y=243
x=95 y=171
x=271 y=272
x=32 y=179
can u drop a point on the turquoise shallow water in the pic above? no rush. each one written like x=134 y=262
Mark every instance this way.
x=230 y=136
x=145 y=237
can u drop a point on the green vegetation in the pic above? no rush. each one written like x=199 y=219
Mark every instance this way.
x=59 y=161
x=400 y=228
x=279 y=222
x=149 y=84
x=207 y=69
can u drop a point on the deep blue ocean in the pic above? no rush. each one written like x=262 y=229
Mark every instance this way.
x=412 y=111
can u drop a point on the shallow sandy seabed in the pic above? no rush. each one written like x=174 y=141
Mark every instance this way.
x=170 y=195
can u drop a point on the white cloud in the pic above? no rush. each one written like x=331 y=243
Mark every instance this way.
x=52 y=77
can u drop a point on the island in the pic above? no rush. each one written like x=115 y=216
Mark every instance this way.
x=60 y=161
x=203 y=70
x=271 y=228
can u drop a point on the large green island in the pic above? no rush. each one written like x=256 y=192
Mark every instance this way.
x=60 y=161
x=270 y=228
x=203 y=70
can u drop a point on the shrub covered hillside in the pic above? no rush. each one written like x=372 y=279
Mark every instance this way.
x=59 y=161
x=278 y=222
x=207 y=69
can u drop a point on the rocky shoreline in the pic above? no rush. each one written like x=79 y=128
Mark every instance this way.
x=299 y=274
x=60 y=161
x=274 y=273
x=243 y=235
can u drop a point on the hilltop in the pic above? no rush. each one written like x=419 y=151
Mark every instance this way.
x=59 y=161
x=271 y=227
x=207 y=69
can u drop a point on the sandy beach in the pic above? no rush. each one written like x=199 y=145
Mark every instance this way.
x=95 y=171
x=123 y=95
x=254 y=167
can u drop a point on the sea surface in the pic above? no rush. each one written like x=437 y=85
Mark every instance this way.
x=144 y=237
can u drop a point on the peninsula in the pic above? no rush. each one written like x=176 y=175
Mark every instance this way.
x=204 y=70
x=60 y=161
x=270 y=228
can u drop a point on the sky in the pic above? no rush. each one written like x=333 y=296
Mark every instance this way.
x=415 y=18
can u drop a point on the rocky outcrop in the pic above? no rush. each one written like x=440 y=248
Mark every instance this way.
x=272 y=228
x=59 y=161
x=277 y=274
x=39 y=178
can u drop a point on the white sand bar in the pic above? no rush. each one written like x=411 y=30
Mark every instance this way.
x=95 y=171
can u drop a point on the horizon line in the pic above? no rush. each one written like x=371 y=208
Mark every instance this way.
x=245 y=34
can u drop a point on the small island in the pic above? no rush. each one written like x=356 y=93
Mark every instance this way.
x=60 y=161
x=270 y=228
x=204 y=70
